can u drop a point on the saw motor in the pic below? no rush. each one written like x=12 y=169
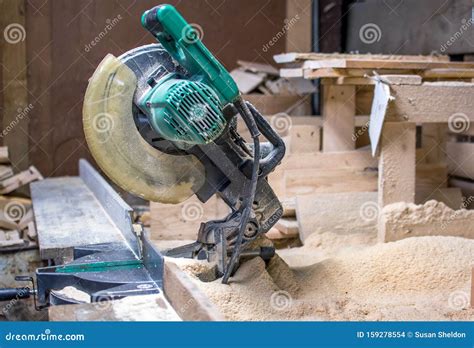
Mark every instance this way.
x=161 y=122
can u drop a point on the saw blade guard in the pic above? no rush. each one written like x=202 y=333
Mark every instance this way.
x=119 y=149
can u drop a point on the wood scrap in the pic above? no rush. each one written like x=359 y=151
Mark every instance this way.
x=11 y=184
x=4 y=158
x=287 y=226
x=5 y=172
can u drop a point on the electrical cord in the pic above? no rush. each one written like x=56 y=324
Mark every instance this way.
x=249 y=120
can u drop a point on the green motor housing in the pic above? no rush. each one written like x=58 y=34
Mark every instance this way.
x=187 y=110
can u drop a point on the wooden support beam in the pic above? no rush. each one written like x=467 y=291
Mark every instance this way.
x=338 y=118
x=397 y=164
x=431 y=102
x=15 y=89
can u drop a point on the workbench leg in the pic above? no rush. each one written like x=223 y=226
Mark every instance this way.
x=433 y=142
x=397 y=164
x=338 y=118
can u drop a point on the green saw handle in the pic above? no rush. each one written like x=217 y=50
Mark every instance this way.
x=182 y=41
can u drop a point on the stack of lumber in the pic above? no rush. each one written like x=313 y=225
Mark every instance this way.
x=17 y=226
x=356 y=66
x=262 y=85
x=265 y=79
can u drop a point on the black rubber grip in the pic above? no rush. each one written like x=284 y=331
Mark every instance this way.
x=8 y=294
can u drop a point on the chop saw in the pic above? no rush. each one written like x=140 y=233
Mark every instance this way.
x=161 y=122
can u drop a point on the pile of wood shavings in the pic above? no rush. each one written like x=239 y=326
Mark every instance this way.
x=422 y=278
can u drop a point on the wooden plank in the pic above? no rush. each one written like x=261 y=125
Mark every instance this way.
x=246 y=82
x=310 y=181
x=385 y=64
x=392 y=79
x=287 y=226
x=337 y=72
x=348 y=212
x=258 y=67
x=397 y=164
x=304 y=139
x=338 y=118
x=69 y=215
x=187 y=299
x=15 y=88
x=431 y=102
x=4 y=156
x=274 y=104
x=15 y=182
x=181 y=221
x=294 y=56
x=460 y=157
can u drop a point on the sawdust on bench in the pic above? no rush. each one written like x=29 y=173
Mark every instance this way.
x=421 y=278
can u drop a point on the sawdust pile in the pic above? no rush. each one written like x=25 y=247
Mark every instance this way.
x=422 y=278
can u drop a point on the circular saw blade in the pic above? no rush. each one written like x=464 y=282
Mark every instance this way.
x=120 y=150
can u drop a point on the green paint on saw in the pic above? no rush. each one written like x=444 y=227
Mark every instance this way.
x=186 y=109
x=103 y=266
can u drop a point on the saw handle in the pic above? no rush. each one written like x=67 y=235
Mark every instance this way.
x=8 y=294
x=183 y=43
